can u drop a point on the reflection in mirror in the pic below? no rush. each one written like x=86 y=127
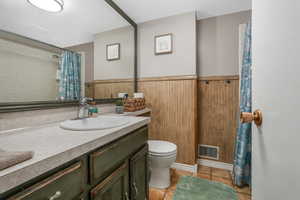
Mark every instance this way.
x=31 y=72
x=59 y=56
x=27 y=73
x=114 y=61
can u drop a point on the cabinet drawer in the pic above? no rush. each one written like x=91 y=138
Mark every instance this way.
x=63 y=185
x=104 y=161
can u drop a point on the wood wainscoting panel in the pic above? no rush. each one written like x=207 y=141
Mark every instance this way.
x=218 y=100
x=104 y=89
x=173 y=103
x=89 y=89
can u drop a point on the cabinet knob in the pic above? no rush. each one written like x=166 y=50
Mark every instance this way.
x=135 y=189
x=126 y=196
x=56 y=195
x=256 y=116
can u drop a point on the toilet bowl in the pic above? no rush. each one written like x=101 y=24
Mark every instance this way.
x=162 y=155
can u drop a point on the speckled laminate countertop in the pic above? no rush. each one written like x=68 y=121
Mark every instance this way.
x=54 y=146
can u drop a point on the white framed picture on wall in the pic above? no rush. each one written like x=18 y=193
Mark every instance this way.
x=113 y=52
x=163 y=44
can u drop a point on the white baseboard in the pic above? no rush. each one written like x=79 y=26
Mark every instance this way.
x=185 y=167
x=215 y=164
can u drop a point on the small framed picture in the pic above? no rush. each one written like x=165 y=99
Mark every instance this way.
x=113 y=52
x=163 y=44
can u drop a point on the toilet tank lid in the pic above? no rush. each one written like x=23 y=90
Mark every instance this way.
x=161 y=147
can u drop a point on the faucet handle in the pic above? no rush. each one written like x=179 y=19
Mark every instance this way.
x=84 y=100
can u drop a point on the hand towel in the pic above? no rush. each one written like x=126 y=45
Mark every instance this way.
x=8 y=159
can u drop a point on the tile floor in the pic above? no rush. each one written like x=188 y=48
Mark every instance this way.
x=209 y=173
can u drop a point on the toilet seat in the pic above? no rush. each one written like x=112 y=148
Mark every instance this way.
x=161 y=148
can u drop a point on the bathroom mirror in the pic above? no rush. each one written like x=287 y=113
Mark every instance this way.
x=56 y=58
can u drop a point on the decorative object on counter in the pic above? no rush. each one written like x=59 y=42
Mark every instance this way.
x=123 y=95
x=134 y=104
x=163 y=44
x=138 y=95
x=119 y=107
x=9 y=159
x=113 y=52
x=93 y=109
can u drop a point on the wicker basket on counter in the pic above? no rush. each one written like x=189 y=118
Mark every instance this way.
x=134 y=104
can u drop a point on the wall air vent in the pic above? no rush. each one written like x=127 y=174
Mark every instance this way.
x=208 y=151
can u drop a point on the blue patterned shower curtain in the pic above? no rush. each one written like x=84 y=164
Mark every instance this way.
x=242 y=161
x=70 y=82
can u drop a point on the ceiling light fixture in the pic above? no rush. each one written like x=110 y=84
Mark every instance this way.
x=48 y=5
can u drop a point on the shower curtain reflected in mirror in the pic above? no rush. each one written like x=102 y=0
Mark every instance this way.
x=70 y=80
x=242 y=161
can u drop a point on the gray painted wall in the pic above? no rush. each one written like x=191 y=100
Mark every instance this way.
x=213 y=42
x=88 y=49
x=117 y=69
x=183 y=59
x=218 y=44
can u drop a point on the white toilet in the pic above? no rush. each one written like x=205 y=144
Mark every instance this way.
x=162 y=155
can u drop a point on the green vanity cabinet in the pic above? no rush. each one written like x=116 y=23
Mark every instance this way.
x=139 y=175
x=116 y=171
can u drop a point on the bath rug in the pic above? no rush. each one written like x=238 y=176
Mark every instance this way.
x=192 y=188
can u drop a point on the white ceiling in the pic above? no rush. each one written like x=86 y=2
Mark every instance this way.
x=76 y=24
x=81 y=19
x=145 y=10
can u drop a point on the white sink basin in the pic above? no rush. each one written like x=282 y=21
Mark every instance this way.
x=99 y=123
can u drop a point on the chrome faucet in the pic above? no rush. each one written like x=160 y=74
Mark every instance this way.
x=83 y=108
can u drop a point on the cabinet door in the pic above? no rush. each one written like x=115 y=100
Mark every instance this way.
x=114 y=187
x=139 y=175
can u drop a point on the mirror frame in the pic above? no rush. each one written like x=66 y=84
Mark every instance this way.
x=39 y=105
